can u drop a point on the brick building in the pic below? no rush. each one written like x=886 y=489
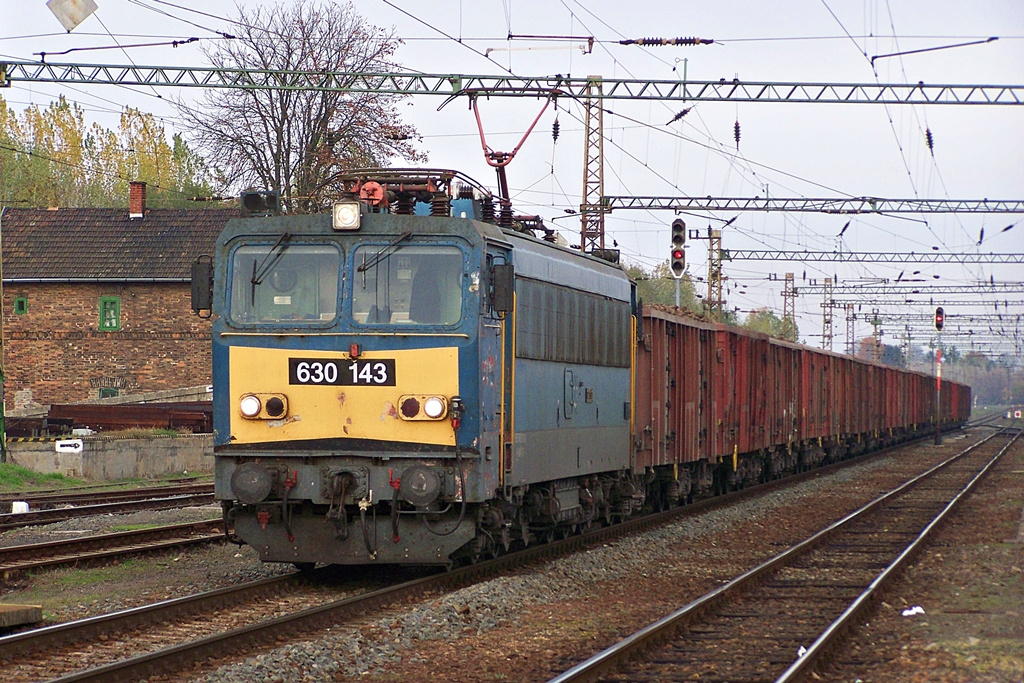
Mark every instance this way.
x=96 y=302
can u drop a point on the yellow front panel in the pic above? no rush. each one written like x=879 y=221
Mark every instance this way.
x=353 y=412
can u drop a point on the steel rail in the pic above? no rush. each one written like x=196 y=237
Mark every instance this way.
x=838 y=628
x=16 y=520
x=18 y=558
x=36 y=500
x=631 y=646
x=17 y=495
x=246 y=638
x=68 y=633
x=455 y=85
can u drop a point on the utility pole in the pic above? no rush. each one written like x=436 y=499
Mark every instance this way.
x=826 y=322
x=789 y=307
x=876 y=324
x=906 y=346
x=592 y=209
x=714 y=301
x=851 y=344
x=940 y=321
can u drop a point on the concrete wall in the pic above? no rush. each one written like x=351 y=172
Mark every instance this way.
x=113 y=458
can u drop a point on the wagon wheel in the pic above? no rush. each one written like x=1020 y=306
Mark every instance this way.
x=483 y=549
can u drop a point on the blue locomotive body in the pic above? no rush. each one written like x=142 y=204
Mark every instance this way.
x=398 y=388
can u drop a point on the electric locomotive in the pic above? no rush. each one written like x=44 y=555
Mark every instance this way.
x=415 y=378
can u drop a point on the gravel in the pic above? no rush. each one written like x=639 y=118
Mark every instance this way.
x=364 y=650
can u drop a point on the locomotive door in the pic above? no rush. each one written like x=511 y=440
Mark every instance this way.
x=497 y=331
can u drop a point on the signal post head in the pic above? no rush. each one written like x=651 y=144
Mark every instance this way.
x=677 y=260
x=940 y=318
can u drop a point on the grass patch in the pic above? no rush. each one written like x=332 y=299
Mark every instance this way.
x=17 y=478
x=78 y=578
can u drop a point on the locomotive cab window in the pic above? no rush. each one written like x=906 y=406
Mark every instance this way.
x=285 y=283
x=407 y=285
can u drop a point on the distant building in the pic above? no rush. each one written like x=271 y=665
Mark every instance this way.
x=96 y=302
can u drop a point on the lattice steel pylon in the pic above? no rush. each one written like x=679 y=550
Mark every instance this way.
x=714 y=301
x=826 y=320
x=789 y=308
x=851 y=318
x=592 y=209
x=876 y=325
x=906 y=346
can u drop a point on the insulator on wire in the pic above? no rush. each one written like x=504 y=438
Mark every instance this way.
x=554 y=131
x=656 y=42
x=930 y=140
x=679 y=116
x=736 y=133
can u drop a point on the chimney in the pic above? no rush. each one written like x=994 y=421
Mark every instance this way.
x=136 y=199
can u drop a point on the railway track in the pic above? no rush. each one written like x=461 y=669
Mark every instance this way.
x=64 y=649
x=44 y=500
x=19 y=558
x=100 y=489
x=37 y=517
x=776 y=622
x=171 y=644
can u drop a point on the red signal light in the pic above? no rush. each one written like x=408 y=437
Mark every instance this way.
x=678 y=261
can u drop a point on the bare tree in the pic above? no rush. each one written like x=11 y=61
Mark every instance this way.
x=295 y=142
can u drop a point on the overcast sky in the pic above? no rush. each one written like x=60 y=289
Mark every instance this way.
x=809 y=150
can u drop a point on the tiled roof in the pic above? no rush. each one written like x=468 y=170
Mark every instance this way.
x=106 y=243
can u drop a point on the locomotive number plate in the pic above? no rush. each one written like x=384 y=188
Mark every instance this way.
x=377 y=372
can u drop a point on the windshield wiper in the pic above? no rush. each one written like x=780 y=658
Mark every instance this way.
x=259 y=272
x=384 y=252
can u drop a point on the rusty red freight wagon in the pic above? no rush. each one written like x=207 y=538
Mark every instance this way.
x=718 y=406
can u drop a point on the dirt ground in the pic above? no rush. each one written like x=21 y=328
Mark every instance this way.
x=970 y=584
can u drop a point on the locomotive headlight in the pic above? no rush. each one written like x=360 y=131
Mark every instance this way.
x=263 y=406
x=346 y=215
x=250 y=406
x=434 y=407
x=422 y=407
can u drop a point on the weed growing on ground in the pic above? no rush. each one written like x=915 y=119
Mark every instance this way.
x=17 y=478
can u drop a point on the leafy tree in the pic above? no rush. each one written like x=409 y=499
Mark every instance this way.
x=295 y=142
x=657 y=286
x=764 y=320
x=49 y=157
x=886 y=353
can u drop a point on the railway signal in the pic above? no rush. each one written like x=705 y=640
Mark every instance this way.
x=678 y=260
x=940 y=318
